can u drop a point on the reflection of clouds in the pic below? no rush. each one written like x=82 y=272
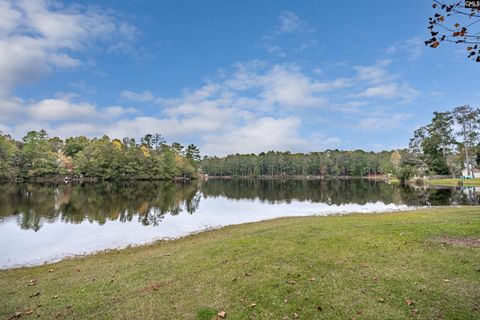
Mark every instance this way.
x=57 y=240
x=41 y=222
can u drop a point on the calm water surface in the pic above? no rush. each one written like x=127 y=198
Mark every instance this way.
x=45 y=222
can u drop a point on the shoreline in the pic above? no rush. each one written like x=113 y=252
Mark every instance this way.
x=287 y=177
x=311 y=266
x=161 y=240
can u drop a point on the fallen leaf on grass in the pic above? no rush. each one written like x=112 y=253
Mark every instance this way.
x=381 y=300
x=28 y=312
x=32 y=282
x=295 y=315
x=248 y=274
x=409 y=302
x=253 y=305
x=375 y=279
x=312 y=279
x=446 y=280
x=50 y=270
x=16 y=315
x=222 y=314
x=55 y=296
x=414 y=311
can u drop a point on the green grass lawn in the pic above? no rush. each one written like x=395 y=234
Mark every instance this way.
x=454 y=182
x=420 y=264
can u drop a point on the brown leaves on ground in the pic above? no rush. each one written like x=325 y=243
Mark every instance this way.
x=409 y=302
x=461 y=241
x=19 y=314
x=156 y=286
x=16 y=315
x=65 y=313
x=222 y=314
x=32 y=282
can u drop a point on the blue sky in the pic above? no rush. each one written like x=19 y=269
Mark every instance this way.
x=229 y=76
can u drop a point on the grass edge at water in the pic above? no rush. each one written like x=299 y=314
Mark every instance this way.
x=343 y=265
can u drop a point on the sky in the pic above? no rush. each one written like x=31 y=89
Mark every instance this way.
x=229 y=76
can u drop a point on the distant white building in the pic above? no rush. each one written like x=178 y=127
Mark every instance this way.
x=474 y=173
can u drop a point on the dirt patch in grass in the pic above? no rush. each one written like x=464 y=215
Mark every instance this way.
x=461 y=241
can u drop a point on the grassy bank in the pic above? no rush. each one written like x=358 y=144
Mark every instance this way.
x=419 y=264
x=455 y=182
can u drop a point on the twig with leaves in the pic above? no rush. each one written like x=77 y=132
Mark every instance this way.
x=456 y=23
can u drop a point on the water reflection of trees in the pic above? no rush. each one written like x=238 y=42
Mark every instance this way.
x=336 y=192
x=148 y=202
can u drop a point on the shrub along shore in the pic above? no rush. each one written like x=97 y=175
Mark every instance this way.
x=416 y=264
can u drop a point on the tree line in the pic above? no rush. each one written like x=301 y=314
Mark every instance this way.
x=447 y=145
x=38 y=156
x=329 y=163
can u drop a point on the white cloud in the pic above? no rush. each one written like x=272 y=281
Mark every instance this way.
x=354 y=106
x=387 y=91
x=289 y=22
x=145 y=96
x=60 y=110
x=295 y=29
x=58 y=114
x=403 y=92
x=36 y=36
x=291 y=88
x=374 y=74
x=282 y=85
x=382 y=121
x=263 y=134
x=10 y=17
x=413 y=48
x=381 y=83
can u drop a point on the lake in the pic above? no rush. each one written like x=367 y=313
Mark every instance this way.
x=42 y=222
